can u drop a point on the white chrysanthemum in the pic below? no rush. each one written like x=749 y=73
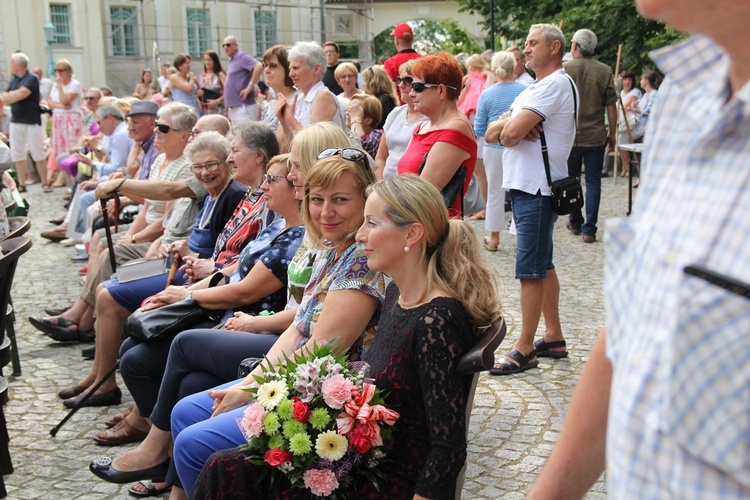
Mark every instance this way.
x=272 y=393
x=331 y=445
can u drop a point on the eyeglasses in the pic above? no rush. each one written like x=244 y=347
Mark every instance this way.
x=91 y=98
x=195 y=132
x=225 y=45
x=347 y=77
x=407 y=80
x=419 y=87
x=164 y=129
x=350 y=154
x=60 y=70
x=211 y=166
x=270 y=178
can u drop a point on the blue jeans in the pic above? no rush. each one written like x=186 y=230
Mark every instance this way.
x=535 y=222
x=593 y=158
x=87 y=199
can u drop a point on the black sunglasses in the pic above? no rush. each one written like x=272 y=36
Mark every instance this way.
x=164 y=129
x=421 y=86
x=227 y=45
x=407 y=80
x=350 y=154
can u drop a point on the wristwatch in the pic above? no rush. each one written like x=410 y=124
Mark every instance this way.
x=189 y=295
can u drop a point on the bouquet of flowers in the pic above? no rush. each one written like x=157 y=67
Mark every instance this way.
x=319 y=421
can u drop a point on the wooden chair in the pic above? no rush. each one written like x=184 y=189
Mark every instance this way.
x=480 y=358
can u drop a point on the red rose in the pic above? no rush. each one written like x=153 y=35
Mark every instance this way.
x=276 y=457
x=301 y=411
x=360 y=442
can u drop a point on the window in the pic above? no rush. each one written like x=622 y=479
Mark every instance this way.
x=60 y=17
x=265 y=31
x=198 y=23
x=124 y=29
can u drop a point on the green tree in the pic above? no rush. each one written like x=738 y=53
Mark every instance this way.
x=430 y=37
x=615 y=22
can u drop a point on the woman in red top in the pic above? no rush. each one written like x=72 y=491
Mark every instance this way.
x=447 y=136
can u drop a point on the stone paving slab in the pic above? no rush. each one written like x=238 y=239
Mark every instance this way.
x=515 y=421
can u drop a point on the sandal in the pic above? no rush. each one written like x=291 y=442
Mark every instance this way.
x=151 y=490
x=46 y=188
x=543 y=349
x=489 y=246
x=506 y=367
x=21 y=189
x=478 y=216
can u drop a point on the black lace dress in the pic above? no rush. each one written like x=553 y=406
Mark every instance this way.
x=414 y=357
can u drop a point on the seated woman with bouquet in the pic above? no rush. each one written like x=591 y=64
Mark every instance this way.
x=340 y=283
x=440 y=295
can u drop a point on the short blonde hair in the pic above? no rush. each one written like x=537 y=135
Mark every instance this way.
x=371 y=107
x=475 y=62
x=343 y=67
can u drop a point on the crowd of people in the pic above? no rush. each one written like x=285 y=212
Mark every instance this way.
x=294 y=190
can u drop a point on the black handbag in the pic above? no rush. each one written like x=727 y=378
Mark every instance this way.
x=567 y=193
x=454 y=188
x=166 y=322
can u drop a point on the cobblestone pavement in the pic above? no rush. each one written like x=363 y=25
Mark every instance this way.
x=515 y=421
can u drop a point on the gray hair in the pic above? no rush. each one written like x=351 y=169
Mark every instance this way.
x=20 y=58
x=209 y=141
x=586 y=40
x=258 y=137
x=107 y=110
x=182 y=116
x=98 y=92
x=551 y=33
x=311 y=52
x=503 y=64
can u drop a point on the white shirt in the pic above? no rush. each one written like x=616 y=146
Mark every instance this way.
x=73 y=87
x=552 y=98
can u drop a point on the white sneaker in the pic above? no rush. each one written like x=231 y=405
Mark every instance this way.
x=69 y=242
x=80 y=247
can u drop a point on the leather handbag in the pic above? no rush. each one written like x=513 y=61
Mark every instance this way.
x=166 y=322
x=567 y=193
x=454 y=188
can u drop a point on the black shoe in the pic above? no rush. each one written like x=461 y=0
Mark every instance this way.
x=71 y=393
x=102 y=468
x=58 y=311
x=88 y=352
x=571 y=228
x=110 y=398
x=61 y=332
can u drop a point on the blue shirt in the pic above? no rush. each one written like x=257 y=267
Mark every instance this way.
x=118 y=147
x=493 y=103
x=679 y=412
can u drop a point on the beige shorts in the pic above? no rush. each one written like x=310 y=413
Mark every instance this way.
x=25 y=138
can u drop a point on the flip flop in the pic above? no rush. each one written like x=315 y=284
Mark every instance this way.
x=506 y=367
x=489 y=246
x=543 y=349
x=151 y=490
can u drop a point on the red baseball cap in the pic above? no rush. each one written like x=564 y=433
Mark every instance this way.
x=403 y=31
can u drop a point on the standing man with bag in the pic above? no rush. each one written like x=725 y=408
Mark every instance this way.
x=597 y=90
x=548 y=105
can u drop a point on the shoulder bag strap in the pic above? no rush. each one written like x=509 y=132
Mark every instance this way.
x=543 y=140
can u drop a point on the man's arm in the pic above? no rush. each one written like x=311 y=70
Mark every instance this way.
x=13 y=96
x=612 y=120
x=578 y=458
x=154 y=190
x=522 y=125
x=254 y=79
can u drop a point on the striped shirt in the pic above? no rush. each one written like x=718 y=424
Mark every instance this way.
x=679 y=415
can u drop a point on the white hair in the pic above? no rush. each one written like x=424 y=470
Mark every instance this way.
x=21 y=59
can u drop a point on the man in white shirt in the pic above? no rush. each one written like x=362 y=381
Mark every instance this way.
x=548 y=106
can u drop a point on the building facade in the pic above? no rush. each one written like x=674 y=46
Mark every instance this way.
x=110 y=42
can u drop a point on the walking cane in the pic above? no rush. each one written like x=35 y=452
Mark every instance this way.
x=96 y=387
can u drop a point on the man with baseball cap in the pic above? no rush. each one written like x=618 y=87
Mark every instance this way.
x=403 y=37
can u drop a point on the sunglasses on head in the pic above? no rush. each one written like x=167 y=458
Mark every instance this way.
x=407 y=80
x=350 y=154
x=164 y=129
x=421 y=86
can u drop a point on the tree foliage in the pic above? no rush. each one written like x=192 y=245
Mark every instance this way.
x=614 y=22
x=430 y=37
